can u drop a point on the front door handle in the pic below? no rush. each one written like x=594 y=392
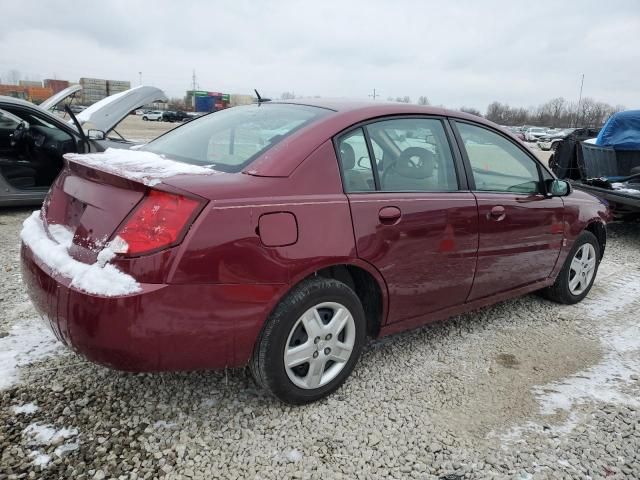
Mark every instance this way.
x=496 y=214
x=389 y=215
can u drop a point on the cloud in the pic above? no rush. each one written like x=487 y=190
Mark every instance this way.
x=456 y=53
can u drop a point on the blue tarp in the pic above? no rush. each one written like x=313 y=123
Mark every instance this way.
x=622 y=131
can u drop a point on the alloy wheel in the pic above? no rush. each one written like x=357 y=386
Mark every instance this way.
x=582 y=269
x=319 y=345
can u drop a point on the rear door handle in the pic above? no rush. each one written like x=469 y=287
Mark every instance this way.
x=389 y=215
x=497 y=213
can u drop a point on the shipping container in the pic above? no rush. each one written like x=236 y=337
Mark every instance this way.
x=204 y=104
x=38 y=94
x=56 y=85
x=30 y=83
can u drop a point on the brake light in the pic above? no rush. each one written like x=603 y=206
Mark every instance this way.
x=159 y=221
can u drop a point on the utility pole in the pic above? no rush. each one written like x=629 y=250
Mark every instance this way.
x=374 y=95
x=139 y=78
x=579 y=100
x=193 y=90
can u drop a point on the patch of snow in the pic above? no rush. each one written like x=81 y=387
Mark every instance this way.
x=294 y=455
x=592 y=141
x=66 y=448
x=40 y=459
x=27 y=342
x=27 y=409
x=61 y=234
x=47 y=434
x=100 y=279
x=146 y=167
x=622 y=188
x=606 y=381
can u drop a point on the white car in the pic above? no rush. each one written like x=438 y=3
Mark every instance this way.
x=155 y=115
x=532 y=133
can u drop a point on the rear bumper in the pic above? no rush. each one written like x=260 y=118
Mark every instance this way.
x=162 y=327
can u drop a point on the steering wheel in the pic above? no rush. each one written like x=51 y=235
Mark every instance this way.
x=20 y=139
x=411 y=159
x=18 y=134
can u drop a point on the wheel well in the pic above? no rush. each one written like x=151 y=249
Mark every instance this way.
x=600 y=232
x=366 y=288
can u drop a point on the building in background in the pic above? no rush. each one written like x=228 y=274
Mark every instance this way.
x=117 y=86
x=30 y=83
x=95 y=89
x=31 y=93
x=15 y=91
x=56 y=85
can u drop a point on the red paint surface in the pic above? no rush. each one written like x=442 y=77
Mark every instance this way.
x=205 y=300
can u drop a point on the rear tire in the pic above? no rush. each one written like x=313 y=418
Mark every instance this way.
x=311 y=342
x=578 y=273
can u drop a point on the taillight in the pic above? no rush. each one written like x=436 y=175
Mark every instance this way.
x=159 y=221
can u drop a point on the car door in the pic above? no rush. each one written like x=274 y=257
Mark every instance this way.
x=520 y=227
x=413 y=218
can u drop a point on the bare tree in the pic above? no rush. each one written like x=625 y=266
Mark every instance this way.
x=13 y=77
x=288 y=96
x=423 y=100
x=556 y=112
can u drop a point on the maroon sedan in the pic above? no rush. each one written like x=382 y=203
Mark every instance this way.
x=281 y=235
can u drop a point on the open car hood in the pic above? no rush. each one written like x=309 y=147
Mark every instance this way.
x=108 y=112
x=51 y=102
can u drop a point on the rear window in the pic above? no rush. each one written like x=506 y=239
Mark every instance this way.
x=231 y=139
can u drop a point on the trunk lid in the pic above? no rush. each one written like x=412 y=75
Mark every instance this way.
x=51 y=102
x=90 y=204
x=95 y=193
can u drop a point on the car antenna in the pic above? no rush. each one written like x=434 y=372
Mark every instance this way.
x=260 y=99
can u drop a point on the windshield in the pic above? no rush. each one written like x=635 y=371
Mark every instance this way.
x=230 y=139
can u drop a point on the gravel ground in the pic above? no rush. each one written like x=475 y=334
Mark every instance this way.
x=524 y=389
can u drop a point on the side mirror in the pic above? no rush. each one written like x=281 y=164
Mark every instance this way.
x=96 y=134
x=558 y=188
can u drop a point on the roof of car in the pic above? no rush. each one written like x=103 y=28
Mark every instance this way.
x=347 y=104
x=347 y=113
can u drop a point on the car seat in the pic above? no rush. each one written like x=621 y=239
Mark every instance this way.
x=355 y=181
x=19 y=176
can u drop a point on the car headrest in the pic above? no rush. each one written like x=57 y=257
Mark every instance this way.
x=415 y=162
x=348 y=156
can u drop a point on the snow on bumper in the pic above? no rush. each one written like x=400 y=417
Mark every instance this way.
x=99 y=278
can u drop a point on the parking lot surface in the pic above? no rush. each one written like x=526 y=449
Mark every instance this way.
x=524 y=389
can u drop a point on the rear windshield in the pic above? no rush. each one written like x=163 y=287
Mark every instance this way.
x=230 y=139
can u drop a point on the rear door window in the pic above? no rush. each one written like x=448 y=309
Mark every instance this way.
x=355 y=162
x=413 y=154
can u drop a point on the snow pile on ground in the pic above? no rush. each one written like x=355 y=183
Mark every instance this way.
x=42 y=435
x=26 y=409
x=27 y=342
x=146 y=167
x=47 y=435
x=100 y=278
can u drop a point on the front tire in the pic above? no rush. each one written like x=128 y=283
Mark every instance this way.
x=311 y=342
x=145 y=119
x=578 y=272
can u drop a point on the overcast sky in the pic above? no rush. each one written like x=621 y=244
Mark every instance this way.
x=456 y=53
